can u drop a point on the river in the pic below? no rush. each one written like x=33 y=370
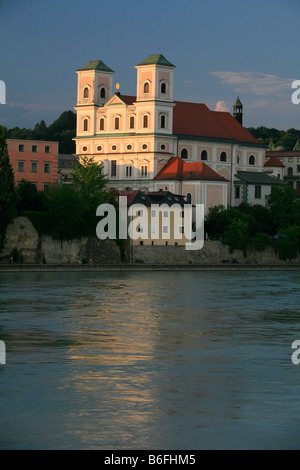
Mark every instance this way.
x=150 y=360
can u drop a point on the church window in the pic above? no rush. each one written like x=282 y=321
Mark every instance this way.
x=145 y=121
x=128 y=171
x=129 y=147
x=113 y=168
x=86 y=92
x=101 y=127
x=251 y=160
x=146 y=88
x=223 y=157
x=102 y=92
x=131 y=122
x=99 y=148
x=163 y=88
x=117 y=123
x=144 y=171
x=85 y=125
x=204 y=155
x=184 y=154
x=162 y=121
x=144 y=146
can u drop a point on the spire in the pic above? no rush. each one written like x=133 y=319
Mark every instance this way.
x=238 y=111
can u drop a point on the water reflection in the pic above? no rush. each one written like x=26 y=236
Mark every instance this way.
x=149 y=360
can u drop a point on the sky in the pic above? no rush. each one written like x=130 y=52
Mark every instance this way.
x=221 y=48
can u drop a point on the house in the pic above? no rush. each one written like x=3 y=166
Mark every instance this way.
x=290 y=161
x=158 y=218
x=66 y=163
x=137 y=138
x=34 y=160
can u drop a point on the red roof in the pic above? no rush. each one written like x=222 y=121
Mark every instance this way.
x=274 y=161
x=178 y=169
x=196 y=119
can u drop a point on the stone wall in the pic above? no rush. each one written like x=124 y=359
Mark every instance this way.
x=213 y=252
x=32 y=248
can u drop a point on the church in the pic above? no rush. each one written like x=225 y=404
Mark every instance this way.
x=152 y=143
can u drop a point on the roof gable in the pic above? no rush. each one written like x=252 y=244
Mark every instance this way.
x=156 y=59
x=274 y=161
x=96 y=65
x=178 y=169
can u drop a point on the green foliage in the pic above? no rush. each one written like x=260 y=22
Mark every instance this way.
x=283 y=207
x=29 y=198
x=259 y=241
x=8 y=196
x=237 y=236
x=286 y=139
x=62 y=130
x=67 y=212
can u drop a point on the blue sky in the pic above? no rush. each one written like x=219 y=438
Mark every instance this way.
x=221 y=49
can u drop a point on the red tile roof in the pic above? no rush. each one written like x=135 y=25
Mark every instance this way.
x=196 y=119
x=178 y=169
x=274 y=161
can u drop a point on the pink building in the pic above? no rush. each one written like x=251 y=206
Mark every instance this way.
x=34 y=160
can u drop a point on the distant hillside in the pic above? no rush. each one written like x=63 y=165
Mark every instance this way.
x=63 y=130
x=280 y=140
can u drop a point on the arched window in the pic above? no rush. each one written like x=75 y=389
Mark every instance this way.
x=184 y=154
x=146 y=88
x=101 y=126
x=131 y=122
x=85 y=124
x=189 y=198
x=204 y=155
x=117 y=123
x=223 y=157
x=252 y=160
x=86 y=92
x=162 y=121
x=163 y=88
x=145 y=121
x=102 y=92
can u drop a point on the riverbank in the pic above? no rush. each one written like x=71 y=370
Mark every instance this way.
x=127 y=267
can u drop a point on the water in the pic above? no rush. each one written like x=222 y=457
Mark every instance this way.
x=154 y=360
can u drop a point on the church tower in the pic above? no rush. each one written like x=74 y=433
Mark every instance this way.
x=238 y=111
x=95 y=84
x=155 y=93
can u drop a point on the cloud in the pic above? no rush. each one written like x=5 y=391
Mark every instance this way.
x=258 y=84
x=221 y=106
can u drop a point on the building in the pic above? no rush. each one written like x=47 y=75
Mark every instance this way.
x=290 y=162
x=138 y=137
x=157 y=219
x=66 y=163
x=34 y=160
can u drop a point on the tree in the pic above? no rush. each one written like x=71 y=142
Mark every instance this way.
x=89 y=180
x=8 y=196
x=30 y=198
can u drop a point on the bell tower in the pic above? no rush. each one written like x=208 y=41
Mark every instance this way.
x=238 y=111
x=155 y=92
x=95 y=85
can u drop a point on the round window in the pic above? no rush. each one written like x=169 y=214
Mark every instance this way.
x=163 y=147
x=99 y=148
x=114 y=147
x=84 y=149
x=144 y=146
x=129 y=147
